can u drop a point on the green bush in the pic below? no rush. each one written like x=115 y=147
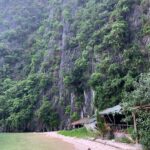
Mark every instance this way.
x=74 y=116
x=96 y=79
x=68 y=109
x=144 y=128
x=146 y=29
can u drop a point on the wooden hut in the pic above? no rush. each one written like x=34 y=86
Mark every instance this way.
x=80 y=123
x=114 y=118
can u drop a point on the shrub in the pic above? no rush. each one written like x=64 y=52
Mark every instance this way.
x=74 y=116
x=68 y=109
x=96 y=79
x=146 y=29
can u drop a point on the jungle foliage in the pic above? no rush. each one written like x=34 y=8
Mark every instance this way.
x=107 y=49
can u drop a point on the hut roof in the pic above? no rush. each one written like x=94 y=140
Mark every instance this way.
x=113 y=110
x=81 y=121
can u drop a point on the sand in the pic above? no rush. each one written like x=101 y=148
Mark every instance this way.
x=81 y=144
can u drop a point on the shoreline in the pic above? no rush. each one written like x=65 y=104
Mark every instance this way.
x=81 y=144
x=85 y=144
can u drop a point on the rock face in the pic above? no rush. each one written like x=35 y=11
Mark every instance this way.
x=62 y=40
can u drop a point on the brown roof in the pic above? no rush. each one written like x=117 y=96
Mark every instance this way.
x=80 y=122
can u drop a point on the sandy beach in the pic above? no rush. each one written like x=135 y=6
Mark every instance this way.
x=81 y=144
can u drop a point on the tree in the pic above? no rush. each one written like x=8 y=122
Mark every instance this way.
x=138 y=97
x=48 y=116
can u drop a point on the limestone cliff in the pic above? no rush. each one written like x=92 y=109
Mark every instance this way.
x=70 y=55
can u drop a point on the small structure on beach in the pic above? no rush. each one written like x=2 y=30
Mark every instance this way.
x=79 y=123
x=84 y=122
x=113 y=121
x=113 y=117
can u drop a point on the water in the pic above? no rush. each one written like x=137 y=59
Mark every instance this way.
x=31 y=141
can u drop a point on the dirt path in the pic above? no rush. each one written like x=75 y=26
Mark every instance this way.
x=81 y=144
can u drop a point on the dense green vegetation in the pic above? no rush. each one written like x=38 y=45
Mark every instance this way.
x=140 y=97
x=54 y=53
x=18 y=101
x=24 y=89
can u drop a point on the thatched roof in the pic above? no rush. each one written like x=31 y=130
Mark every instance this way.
x=84 y=121
x=81 y=121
